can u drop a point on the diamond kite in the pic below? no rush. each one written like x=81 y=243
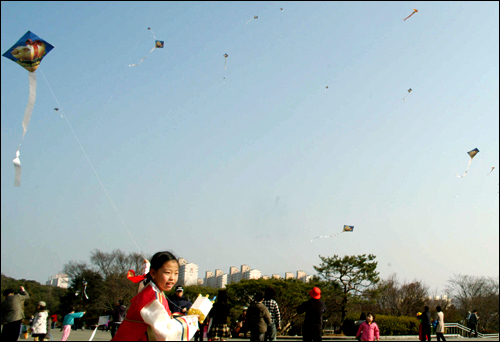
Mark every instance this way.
x=472 y=154
x=28 y=52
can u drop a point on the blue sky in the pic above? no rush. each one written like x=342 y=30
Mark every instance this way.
x=246 y=165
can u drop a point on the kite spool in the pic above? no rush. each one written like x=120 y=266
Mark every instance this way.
x=201 y=307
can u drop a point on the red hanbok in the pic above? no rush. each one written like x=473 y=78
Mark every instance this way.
x=148 y=319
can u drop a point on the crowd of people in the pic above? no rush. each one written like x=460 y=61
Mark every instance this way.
x=150 y=310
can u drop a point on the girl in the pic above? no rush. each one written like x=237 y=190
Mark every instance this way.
x=68 y=321
x=39 y=327
x=148 y=317
x=369 y=329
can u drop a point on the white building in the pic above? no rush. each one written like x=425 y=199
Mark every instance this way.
x=58 y=280
x=188 y=274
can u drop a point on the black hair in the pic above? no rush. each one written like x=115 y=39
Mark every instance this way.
x=158 y=260
x=270 y=293
x=438 y=308
x=370 y=314
x=258 y=297
x=222 y=296
x=120 y=302
x=8 y=292
x=426 y=308
x=362 y=317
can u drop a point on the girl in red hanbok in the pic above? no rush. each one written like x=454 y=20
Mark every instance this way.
x=148 y=317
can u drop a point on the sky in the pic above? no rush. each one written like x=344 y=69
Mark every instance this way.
x=244 y=160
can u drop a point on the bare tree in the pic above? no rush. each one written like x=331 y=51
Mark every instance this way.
x=412 y=296
x=476 y=293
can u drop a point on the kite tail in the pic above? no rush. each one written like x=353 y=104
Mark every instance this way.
x=225 y=64
x=26 y=121
x=248 y=22
x=470 y=161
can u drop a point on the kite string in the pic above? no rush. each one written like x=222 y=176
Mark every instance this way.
x=93 y=169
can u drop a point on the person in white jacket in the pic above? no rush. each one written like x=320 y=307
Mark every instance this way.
x=440 y=324
x=39 y=327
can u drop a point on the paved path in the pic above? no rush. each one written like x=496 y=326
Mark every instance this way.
x=101 y=335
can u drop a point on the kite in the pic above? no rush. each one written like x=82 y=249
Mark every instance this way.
x=345 y=229
x=85 y=289
x=143 y=273
x=159 y=44
x=414 y=11
x=281 y=9
x=492 y=168
x=56 y=110
x=28 y=52
x=326 y=88
x=225 y=60
x=472 y=154
x=103 y=320
x=255 y=17
x=409 y=91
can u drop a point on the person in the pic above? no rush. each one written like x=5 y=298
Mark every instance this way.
x=39 y=326
x=148 y=316
x=219 y=313
x=258 y=318
x=440 y=324
x=368 y=330
x=274 y=310
x=118 y=316
x=178 y=303
x=425 y=317
x=68 y=321
x=12 y=313
x=473 y=319
x=313 y=322
x=54 y=320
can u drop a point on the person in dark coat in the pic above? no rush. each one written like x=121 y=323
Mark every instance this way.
x=473 y=319
x=425 y=317
x=313 y=322
x=12 y=313
x=118 y=317
x=258 y=318
x=178 y=303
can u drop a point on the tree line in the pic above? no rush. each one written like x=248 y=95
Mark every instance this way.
x=349 y=285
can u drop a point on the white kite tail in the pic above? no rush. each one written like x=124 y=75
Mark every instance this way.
x=26 y=121
x=470 y=161
x=326 y=236
x=93 y=334
x=143 y=58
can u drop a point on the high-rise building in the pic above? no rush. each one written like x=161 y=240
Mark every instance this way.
x=58 y=280
x=234 y=275
x=301 y=275
x=289 y=275
x=276 y=276
x=188 y=273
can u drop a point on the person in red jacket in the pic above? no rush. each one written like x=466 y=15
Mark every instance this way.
x=368 y=330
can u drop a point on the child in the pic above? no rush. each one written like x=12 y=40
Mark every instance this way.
x=369 y=329
x=39 y=327
x=148 y=317
x=68 y=321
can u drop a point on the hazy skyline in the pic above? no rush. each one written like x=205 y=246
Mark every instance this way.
x=245 y=159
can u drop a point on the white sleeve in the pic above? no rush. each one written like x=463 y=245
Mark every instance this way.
x=166 y=328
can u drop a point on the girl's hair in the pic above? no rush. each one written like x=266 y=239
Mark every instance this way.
x=370 y=314
x=158 y=260
x=269 y=293
x=438 y=308
x=222 y=296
